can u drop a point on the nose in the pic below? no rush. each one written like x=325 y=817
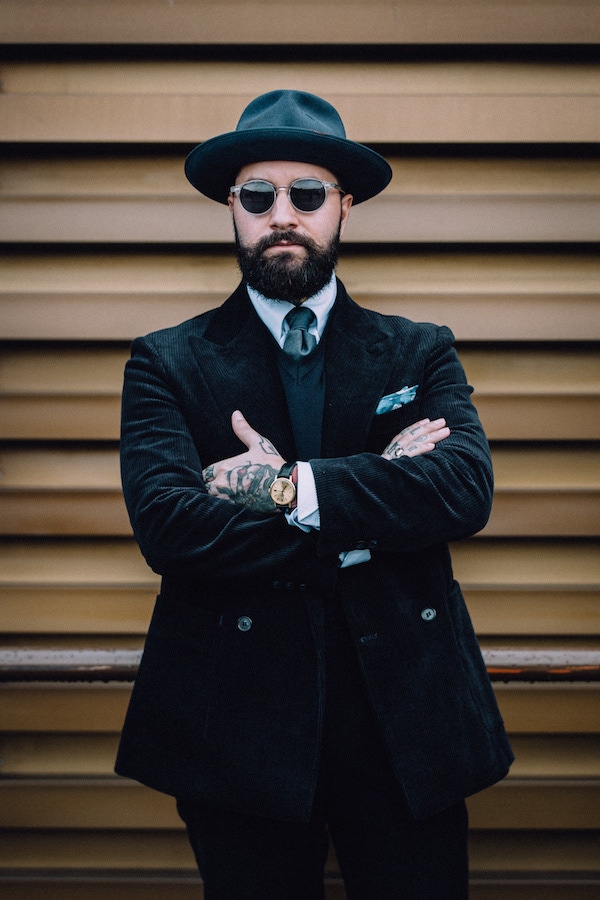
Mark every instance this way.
x=283 y=214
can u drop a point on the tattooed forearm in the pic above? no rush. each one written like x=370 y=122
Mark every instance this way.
x=248 y=485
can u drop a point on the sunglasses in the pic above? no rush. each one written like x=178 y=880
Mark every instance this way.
x=305 y=194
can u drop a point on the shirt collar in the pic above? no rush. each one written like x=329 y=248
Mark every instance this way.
x=273 y=312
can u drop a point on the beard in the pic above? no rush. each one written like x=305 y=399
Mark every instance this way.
x=283 y=276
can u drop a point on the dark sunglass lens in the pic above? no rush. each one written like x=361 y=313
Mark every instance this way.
x=257 y=196
x=307 y=194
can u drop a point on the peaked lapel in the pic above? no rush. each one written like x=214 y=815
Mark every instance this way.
x=359 y=357
x=237 y=360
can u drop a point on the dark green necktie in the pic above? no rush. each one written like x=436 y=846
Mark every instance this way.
x=298 y=341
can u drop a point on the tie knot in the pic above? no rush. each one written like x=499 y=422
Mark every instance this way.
x=299 y=343
x=300 y=317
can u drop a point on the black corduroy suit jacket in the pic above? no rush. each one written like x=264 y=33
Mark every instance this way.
x=230 y=715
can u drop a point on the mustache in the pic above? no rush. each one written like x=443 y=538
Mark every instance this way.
x=290 y=237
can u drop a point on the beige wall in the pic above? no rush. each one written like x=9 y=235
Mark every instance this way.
x=491 y=225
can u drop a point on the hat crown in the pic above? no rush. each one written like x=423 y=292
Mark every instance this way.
x=291 y=126
x=292 y=109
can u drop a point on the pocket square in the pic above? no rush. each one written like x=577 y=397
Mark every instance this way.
x=394 y=401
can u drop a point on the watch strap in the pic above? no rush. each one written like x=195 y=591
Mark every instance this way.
x=287 y=471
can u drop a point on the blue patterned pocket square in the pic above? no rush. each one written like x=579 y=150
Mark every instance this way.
x=394 y=401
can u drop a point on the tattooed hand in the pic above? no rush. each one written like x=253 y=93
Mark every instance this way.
x=245 y=479
x=417 y=439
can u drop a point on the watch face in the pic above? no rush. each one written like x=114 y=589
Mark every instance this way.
x=282 y=491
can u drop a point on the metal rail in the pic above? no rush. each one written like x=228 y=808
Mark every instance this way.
x=76 y=665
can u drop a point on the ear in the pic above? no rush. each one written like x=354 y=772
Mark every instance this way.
x=346 y=204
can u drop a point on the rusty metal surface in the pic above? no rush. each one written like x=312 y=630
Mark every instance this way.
x=503 y=665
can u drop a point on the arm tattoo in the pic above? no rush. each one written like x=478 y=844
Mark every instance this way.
x=248 y=485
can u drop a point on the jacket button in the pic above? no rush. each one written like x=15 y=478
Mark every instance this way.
x=361 y=545
x=372 y=544
x=244 y=623
x=428 y=614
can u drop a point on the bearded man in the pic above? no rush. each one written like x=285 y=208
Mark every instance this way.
x=294 y=467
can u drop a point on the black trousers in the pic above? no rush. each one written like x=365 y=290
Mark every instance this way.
x=383 y=853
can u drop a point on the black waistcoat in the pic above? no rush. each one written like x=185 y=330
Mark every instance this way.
x=304 y=386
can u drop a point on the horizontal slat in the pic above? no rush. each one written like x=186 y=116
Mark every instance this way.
x=537 y=886
x=379 y=102
x=405 y=219
x=76 y=610
x=114 y=118
x=52 y=755
x=83 y=708
x=90 y=665
x=94 y=885
x=549 y=708
x=538 y=492
x=268 y=22
x=93 y=611
x=495 y=297
x=110 y=174
x=479 y=564
x=536 y=803
x=74 y=393
x=492 y=317
x=527 y=565
x=100 y=708
x=437 y=200
x=550 y=756
x=149 y=851
x=219 y=81
x=513 y=852
x=120 y=886
x=76 y=512
x=524 y=416
x=108 y=803
x=554 y=611
x=75 y=563
x=521 y=853
x=71 y=610
x=542 y=513
x=84 y=803
x=45 y=755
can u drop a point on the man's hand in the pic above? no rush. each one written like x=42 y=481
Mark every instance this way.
x=245 y=479
x=417 y=439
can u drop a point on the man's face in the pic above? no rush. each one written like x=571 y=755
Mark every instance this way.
x=284 y=253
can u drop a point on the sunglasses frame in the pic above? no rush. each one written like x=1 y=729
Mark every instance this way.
x=327 y=185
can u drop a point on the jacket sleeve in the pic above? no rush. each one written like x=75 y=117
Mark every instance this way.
x=413 y=502
x=180 y=530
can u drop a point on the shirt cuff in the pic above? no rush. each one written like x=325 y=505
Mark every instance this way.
x=306 y=513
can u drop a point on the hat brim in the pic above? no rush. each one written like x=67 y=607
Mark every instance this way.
x=212 y=166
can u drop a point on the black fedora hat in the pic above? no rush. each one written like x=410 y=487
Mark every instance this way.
x=292 y=126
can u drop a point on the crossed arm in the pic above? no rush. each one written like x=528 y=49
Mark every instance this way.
x=245 y=479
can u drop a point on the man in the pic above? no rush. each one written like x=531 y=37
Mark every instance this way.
x=310 y=666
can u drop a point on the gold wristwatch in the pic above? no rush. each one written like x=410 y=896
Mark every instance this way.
x=283 y=488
